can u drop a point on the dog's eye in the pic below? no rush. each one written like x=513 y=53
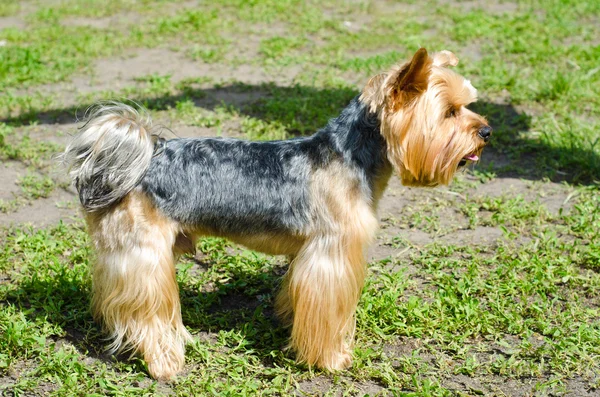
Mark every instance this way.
x=451 y=113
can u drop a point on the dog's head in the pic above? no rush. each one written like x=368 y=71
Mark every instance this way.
x=428 y=129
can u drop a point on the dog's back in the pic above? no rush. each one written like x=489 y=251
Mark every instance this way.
x=231 y=186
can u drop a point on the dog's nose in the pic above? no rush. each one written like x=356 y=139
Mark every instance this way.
x=485 y=133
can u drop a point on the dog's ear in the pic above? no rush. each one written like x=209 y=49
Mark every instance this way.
x=411 y=79
x=444 y=58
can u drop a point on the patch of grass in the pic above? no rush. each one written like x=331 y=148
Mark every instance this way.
x=258 y=129
x=193 y=25
x=9 y=8
x=11 y=205
x=50 y=52
x=278 y=49
x=301 y=109
x=186 y=111
x=21 y=338
x=156 y=82
x=208 y=55
x=31 y=152
x=35 y=186
x=521 y=294
x=373 y=64
x=23 y=108
x=4 y=132
x=506 y=211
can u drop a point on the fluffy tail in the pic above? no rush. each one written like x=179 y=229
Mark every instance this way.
x=110 y=154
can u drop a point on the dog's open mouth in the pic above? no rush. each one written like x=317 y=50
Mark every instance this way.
x=469 y=157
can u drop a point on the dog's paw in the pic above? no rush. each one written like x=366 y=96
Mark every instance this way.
x=166 y=365
x=337 y=361
x=164 y=369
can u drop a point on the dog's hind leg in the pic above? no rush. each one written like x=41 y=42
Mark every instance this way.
x=135 y=293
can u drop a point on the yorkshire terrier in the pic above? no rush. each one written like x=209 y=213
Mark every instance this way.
x=146 y=201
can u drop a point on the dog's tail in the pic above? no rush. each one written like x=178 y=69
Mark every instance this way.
x=110 y=154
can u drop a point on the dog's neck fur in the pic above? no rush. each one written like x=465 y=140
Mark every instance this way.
x=355 y=134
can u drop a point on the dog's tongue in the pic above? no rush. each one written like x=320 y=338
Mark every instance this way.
x=472 y=157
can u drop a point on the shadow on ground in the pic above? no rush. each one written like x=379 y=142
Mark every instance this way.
x=243 y=304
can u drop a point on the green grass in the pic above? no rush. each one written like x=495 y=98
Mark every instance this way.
x=21 y=147
x=37 y=155
x=9 y=8
x=36 y=186
x=519 y=309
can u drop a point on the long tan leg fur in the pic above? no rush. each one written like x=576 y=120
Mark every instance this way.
x=135 y=293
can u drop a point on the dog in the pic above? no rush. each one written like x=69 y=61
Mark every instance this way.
x=146 y=201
